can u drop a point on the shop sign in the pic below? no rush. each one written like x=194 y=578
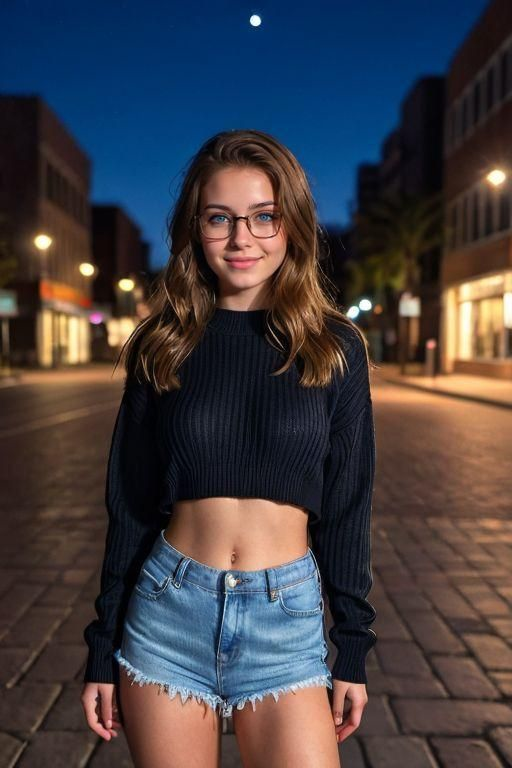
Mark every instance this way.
x=409 y=305
x=8 y=303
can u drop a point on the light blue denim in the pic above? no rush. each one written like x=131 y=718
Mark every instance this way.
x=225 y=637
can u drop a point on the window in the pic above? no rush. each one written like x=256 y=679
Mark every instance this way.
x=490 y=88
x=488 y=213
x=65 y=194
x=504 y=74
x=487 y=327
x=465 y=221
x=465 y=124
x=452 y=131
x=475 y=217
x=504 y=210
x=476 y=102
x=453 y=226
x=50 y=182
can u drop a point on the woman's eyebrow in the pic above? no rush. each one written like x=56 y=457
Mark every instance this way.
x=227 y=208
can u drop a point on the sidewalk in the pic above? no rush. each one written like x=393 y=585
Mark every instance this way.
x=482 y=389
x=85 y=372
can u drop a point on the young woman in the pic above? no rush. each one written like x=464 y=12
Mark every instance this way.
x=246 y=422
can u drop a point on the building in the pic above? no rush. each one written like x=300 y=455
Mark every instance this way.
x=411 y=165
x=476 y=273
x=421 y=175
x=368 y=185
x=44 y=198
x=123 y=278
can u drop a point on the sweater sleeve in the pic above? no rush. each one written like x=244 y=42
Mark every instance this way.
x=131 y=498
x=341 y=539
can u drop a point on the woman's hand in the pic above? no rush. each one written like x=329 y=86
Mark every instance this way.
x=100 y=708
x=346 y=724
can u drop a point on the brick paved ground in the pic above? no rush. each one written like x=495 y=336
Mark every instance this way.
x=440 y=677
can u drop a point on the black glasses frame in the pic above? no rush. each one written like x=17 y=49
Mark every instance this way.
x=233 y=219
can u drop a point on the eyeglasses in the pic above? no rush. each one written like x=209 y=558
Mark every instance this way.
x=219 y=226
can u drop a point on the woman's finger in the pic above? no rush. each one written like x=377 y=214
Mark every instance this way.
x=91 y=702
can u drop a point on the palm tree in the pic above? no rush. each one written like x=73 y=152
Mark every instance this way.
x=392 y=236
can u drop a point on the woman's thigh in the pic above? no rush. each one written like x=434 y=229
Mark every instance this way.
x=167 y=733
x=297 y=730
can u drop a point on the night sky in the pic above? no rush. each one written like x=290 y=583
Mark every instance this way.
x=142 y=85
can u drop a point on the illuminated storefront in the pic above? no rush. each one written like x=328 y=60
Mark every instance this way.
x=62 y=325
x=478 y=325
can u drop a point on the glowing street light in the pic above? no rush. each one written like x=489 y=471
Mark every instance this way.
x=365 y=304
x=126 y=284
x=496 y=177
x=352 y=312
x=87 y=269
x=42 y=242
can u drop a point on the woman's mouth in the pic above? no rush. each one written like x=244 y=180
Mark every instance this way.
x=241 y=263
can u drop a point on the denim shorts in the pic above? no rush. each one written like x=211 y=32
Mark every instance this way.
x=224 y=637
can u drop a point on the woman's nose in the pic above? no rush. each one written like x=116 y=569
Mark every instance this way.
x=240 y=231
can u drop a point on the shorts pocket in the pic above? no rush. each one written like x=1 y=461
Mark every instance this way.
x=302 y=599
x=152 y=580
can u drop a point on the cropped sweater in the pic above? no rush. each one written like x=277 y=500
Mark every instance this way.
x=235 y=430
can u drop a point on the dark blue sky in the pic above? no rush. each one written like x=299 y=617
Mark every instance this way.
x=142 y=84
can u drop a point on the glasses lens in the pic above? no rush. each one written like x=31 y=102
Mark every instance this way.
x=215 y=224
x=261 y=224
x=264 y=223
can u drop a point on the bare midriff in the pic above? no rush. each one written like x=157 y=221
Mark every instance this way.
x=239 y=533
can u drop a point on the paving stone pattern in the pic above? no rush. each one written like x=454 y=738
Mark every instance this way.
x=440 y=677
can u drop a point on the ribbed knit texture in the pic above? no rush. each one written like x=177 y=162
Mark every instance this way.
x=233 y=429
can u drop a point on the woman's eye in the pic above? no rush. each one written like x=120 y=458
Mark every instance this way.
x=215 y=218
x=269 y=215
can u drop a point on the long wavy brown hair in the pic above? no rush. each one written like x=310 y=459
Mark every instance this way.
x=183 y=296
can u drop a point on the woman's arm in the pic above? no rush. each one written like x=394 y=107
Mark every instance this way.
x=131 y=497
x=341 y=539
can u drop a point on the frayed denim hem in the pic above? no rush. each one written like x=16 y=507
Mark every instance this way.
x=211 y=699
x=215 y=702
x=319 y=680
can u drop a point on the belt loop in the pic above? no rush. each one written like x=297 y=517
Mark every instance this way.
x=179 y=571
x=272 y=585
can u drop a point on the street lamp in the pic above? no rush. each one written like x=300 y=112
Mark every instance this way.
x=87 y=269
x=42 y=243
x=126 y=284
x=496 y=177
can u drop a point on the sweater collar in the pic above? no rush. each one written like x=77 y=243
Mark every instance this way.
x=238 y=322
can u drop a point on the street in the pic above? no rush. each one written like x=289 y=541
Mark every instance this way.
x=440 y=677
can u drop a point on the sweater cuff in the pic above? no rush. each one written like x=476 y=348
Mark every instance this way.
x=350 y=663
x=101 y=668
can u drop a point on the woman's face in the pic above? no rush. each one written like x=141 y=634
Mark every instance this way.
x=237 y=191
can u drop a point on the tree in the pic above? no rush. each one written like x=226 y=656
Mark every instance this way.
x=392 y=236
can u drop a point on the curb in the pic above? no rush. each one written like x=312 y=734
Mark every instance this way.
x=10 y=381
x=447 y=393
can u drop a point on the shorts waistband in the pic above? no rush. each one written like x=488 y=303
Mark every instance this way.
x=177 y=564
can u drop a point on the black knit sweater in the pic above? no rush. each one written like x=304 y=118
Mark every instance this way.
x=233 y=429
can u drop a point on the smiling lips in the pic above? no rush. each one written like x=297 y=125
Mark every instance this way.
x=242 y=263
